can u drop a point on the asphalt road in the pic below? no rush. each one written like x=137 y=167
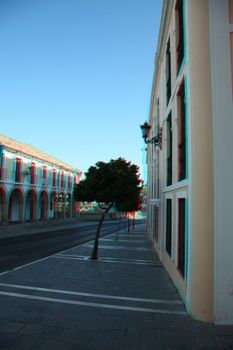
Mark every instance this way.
x=19 y=251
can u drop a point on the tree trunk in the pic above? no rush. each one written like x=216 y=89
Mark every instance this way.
x=118 y=227
x=94 y=254
x=128 y=224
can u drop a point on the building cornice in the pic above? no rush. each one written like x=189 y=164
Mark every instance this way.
x=163 y=32
x=20 y=148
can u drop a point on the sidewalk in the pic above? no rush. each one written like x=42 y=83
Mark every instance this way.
x=123 y=301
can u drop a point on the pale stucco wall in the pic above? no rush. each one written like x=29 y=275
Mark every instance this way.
x=220 y=29
x=201 y=237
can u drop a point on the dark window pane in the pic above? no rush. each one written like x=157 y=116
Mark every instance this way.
x=18 y=170
x=169 y=150
x=169 y=226
x=168 y=71
x=180 y=31
x=181 y=237
x=182 y=134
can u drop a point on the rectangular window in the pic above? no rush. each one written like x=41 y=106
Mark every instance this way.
x=158 y=156
x=231 y=47
x=231 y=11
x=18 y=170
x=169 y=150
x=44 y=172
x=156 y=223
x=181 y=236
x=154 y=179
x=44 y=180
x=181 y=133
x=54 y=178
x=180 y=33
x=168 y=71
x=69 y=182
x=62 y=179
x=32 y=181
x=169 y=226
x=157 y=176
x=151 y=219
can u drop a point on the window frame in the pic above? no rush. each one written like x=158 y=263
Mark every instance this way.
x=62 y=179
x=18 y=169
x=180 y=50
x=182 y=134
x=181 y=237
x=33 y=168
x=169 y=220
x=54 y=177
x=169 y=149
x=168 y=71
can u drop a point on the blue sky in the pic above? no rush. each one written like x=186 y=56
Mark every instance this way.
x=76 y=76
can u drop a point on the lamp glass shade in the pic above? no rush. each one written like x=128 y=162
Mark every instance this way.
x=145 y=130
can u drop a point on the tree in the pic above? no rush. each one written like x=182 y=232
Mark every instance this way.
x=114 y=183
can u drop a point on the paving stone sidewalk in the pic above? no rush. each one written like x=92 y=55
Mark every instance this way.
x=125 y=300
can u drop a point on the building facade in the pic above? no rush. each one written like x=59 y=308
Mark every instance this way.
x=33 y=185
x=190 y=191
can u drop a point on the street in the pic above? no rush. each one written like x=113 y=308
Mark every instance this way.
x=22 y=250
x=125 y=300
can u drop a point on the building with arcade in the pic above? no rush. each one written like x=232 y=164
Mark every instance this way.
x=33 y=185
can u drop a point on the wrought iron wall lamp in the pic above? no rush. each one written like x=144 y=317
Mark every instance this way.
x=156 y=140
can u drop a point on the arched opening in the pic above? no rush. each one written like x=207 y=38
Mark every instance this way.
x=2 y=205
x=30 y=206
x=53 y=205
x=43 y=206
x=15 y=206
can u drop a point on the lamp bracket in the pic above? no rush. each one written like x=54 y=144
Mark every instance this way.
x=156 y=140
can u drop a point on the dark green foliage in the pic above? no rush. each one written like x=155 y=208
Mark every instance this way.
x=114 y=183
